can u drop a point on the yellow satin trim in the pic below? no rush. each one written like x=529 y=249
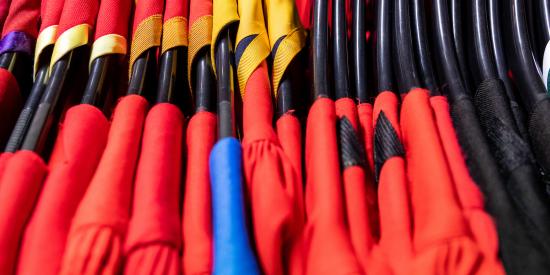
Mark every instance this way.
x=252 y=19
x=200 y=37
x=147 y=35
x=174 y=33
x=69 y=40
x=289 y=47
x=108 y=44
x=45 y=39
x=282 y=19
x=224 y=13
x=253 y=55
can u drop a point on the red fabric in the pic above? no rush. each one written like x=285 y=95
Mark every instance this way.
x=470 y=197
x=50 y=13
x=176 y=8
x=22 y=16
x=99 y=225
x=360 y=194
x=345 y=107
x=10 y=104
x=436 y=217
x=4 y=7
x=289 y=132
x=305 y=8
x=442 y=238
x=198 y=9
x=146 y=9
x=362 y=212
x=82 y=139
x=113 y=18
x=393 y=196
x=197 y=215
x=327 y=242
x=154 y=232
x=76 y=12
x=19 y=189
x=364 y=112
x=4 y=159
x=272 y=183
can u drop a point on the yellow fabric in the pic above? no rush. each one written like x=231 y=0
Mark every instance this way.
x=69 y=40
x=200 y=36
x=252 y=23
x=289 y=47
x=147 y=35
x=174 y=33
x=282 y=19
x=253 y=55
x=108 y=44
x=45 y=38
x=224 y=13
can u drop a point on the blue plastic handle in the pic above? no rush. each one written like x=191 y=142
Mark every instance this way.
x=233 y=253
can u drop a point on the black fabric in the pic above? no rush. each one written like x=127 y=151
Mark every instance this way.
x=508 y=147
x=539 y=131
x=352 y=152
x=491 y=101
x=242 y=46
x=516 y=163
x=386 y=143
x=522 y=249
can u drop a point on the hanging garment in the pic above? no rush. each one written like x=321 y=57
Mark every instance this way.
x=99 y=225
x=20 y=187
x=153 y=244
x=201 y=136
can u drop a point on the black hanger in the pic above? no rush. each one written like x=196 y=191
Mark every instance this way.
x=523 y=64
x=383 y=46
x=491 y=92
x=224 y=70
x=144 y=74
x=340 y=45
x=422 y=48
x=359 y=51
x=31 y=104
x=458 y=24
x=406 y=74
x=544 y=15
x=319 y=47
x=204 y=83
x=501 y=64
x=172 y=83
x=19 y=64
x=105 y=75
x=67 y=76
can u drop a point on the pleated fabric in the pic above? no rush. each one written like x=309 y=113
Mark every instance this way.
x=289 y=132
x=326 y=231
x=98 y=230
x=79 y=146
x=197 y=209
x=154 y=240
x=20 y=186
x=364 y=113
x=442 y=239
x=395 y=249
x=359 y=189
x=273 y=186
x=470 y=197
